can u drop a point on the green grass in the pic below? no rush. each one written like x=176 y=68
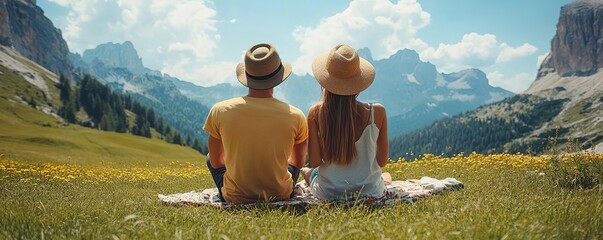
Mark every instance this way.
x=498 y=202
x=27 y=134
x=512 y=204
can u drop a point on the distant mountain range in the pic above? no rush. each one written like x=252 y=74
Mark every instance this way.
x=563 y=107
x=565 y=96
x=413 y=92
x=120 y=67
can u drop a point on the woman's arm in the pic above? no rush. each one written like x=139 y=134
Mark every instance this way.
x=314 y=152
x=382 y=141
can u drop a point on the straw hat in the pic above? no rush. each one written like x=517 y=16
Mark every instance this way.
x=262 y=68
x=342 y=72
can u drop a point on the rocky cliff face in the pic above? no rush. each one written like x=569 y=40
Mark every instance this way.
x=571 y=74
x=577 y=48
x=116 y=55
x=24 y=27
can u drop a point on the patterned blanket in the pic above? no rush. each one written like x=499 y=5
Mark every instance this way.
x=397 y=192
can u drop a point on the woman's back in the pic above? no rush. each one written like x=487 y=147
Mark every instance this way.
x=345 y=151
x=362 y=176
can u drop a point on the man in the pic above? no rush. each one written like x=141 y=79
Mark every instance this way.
x=257 y=143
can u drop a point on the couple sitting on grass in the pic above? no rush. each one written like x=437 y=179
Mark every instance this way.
x=257 y=144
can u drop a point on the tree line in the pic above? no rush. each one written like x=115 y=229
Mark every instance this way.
x=108 y=111
x=467 y=133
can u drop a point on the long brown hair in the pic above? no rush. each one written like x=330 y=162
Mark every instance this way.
x=336 y=120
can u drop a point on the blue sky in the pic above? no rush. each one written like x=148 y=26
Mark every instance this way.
x=202 y=41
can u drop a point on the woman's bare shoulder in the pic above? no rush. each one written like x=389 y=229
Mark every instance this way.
x=313 y=111
x=379 y=111
x=378 y=107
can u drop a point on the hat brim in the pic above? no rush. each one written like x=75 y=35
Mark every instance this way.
x=274 y=81
x=343 y=86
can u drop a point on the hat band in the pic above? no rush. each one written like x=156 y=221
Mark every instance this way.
x=266 y=76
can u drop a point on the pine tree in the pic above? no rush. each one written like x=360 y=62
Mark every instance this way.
x=189 y=140
x=196 y=145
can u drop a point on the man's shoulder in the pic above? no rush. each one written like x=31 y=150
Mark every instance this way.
x=296 y=110
x=293 y=110
x=227 y=102
x=284 y=106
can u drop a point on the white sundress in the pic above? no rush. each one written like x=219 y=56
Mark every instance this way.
x=361 y=177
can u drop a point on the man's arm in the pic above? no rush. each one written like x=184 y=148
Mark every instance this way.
x=298 y=156
x=216 y=149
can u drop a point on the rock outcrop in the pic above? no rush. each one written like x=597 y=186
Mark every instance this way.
x=577 y=48
x=24 y=27
x=116 y=55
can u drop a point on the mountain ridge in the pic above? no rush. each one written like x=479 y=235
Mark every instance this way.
x=563 y=104
x=403 y=84
x=24 y=27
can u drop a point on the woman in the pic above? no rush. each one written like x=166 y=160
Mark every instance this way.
x=347 y=143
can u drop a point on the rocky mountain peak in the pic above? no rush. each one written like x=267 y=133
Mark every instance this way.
x=577 y=47
x=366 y=54
x=467 y=79
x=116 y=55
x=406 y=56
x=24 y=27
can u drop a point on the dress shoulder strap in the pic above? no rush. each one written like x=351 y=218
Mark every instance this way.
x=372 y=113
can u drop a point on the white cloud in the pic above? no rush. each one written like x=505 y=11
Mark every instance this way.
x=208 y=74
x=540 y=59
x=508 y=53
x=176 y=37
x=382 y=26
x=515 y=84
x=474 y=51
x=64 y=3
x=234 y=20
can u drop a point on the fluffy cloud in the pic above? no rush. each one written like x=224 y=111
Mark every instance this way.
x=382 y=26
x=517 y=83
x=540 y=59
x=208 y=74
x=508 y=53
x=177 y=37
x=474 y=50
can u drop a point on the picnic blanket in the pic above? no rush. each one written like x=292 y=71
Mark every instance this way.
x=397 y=192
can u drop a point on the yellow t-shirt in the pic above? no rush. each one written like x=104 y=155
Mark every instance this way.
x=258 y=135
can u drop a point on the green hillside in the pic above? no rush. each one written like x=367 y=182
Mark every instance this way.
x=29 y=134
x=494 y=128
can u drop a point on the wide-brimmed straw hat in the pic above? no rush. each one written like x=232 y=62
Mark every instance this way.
x=341 y=71
x=262 y=68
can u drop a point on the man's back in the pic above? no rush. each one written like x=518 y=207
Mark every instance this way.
x=258 y=135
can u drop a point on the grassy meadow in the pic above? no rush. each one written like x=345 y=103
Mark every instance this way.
x=77 y=183
x=62 y=181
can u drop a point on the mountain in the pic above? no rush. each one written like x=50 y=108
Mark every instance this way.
x=116 y=56
x=31 y=130
x=562 y=107
x=24 y=27
x=34 y=49
x=577 y=48
x=413 y=92
x=27 y=85
x=120 y=67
